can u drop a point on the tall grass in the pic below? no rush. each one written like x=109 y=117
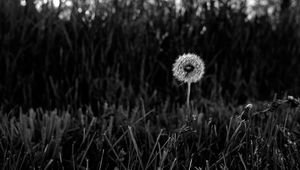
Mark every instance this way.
x=128 y=50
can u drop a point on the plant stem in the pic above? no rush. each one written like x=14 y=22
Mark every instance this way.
x=188 y=96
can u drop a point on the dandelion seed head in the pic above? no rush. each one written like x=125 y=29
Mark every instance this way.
x=188 y=68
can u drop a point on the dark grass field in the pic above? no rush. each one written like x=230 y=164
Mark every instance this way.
x=97 y=91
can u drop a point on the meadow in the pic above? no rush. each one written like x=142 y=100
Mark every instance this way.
x=97 y=91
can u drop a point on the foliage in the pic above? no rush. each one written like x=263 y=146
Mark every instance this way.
x=127 y=52
x=264 y=137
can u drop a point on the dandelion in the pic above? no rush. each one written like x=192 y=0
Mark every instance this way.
x=188 y=68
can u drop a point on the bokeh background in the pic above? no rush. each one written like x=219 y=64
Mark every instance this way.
x=58 y=53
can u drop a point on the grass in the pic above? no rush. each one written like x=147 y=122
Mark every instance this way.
x=257 y=138
x=99 y=94
x=47 y=62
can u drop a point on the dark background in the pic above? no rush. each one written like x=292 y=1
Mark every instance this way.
x=125 y=51
x=98 y=79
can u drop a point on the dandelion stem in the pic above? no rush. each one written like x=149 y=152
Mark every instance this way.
x=188 y=96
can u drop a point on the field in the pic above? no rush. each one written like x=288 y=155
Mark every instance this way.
x=96 y=91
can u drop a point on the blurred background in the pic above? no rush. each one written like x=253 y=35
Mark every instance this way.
x=58 y=53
